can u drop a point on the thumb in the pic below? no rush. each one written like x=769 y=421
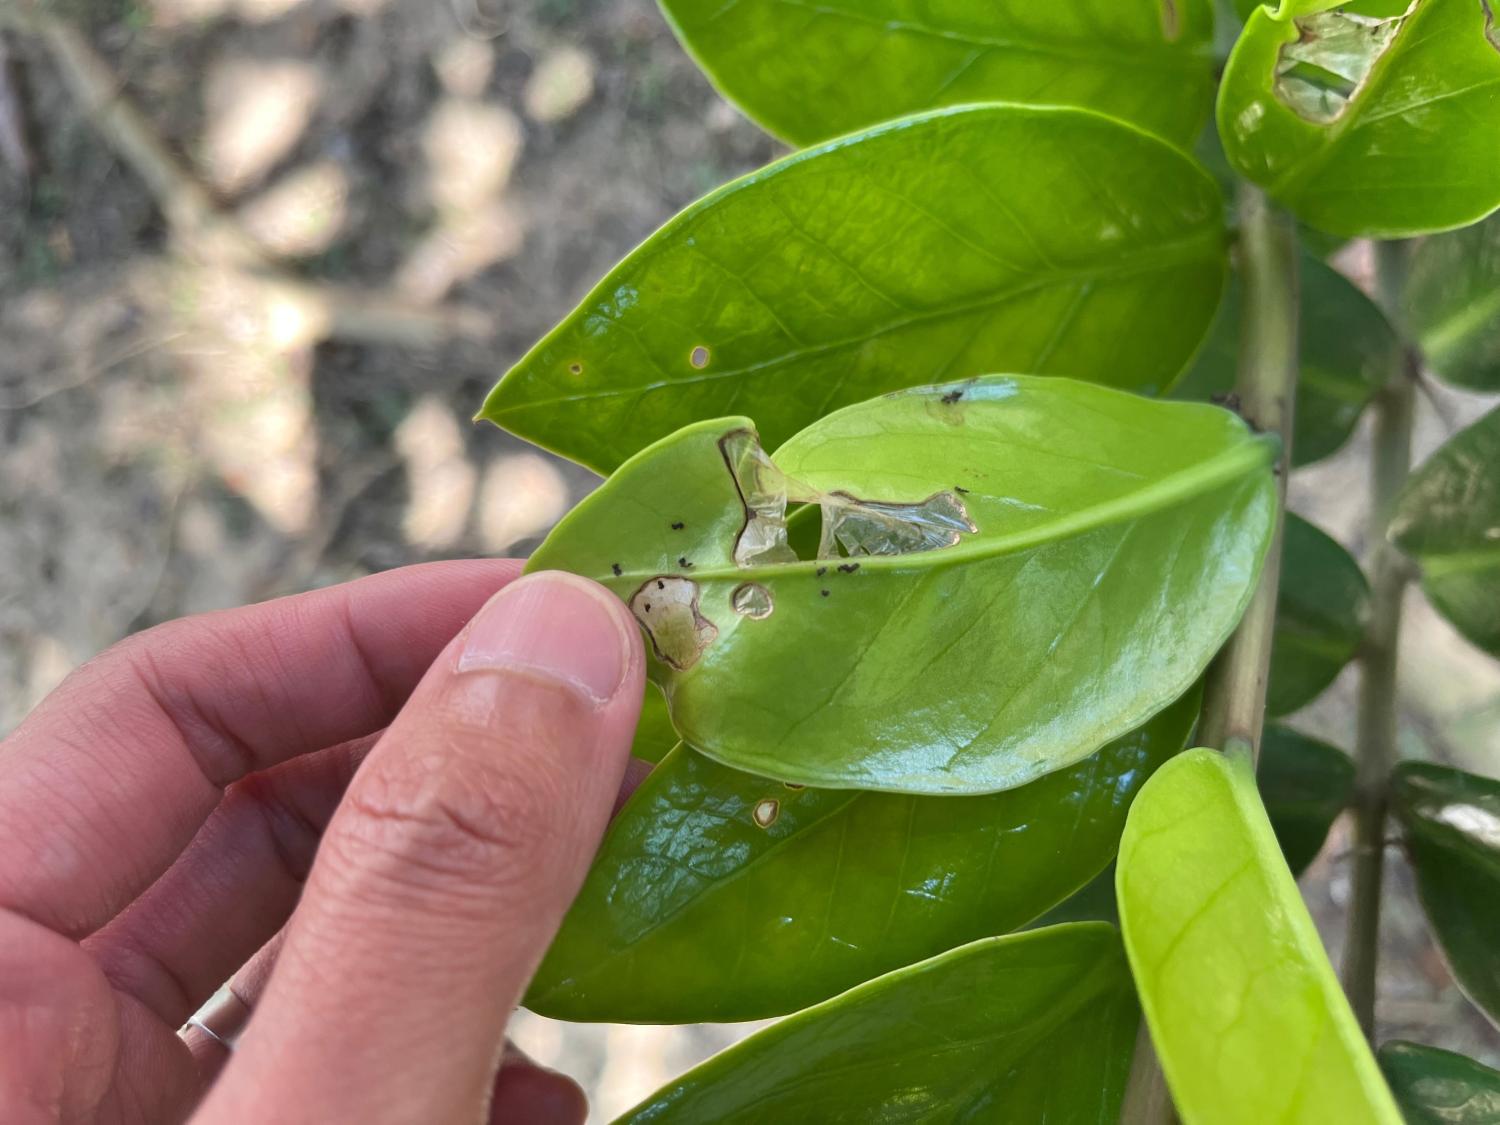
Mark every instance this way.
x=447 y=869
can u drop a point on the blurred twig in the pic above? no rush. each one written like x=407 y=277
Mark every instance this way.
x=14 y=149
x=205 y=233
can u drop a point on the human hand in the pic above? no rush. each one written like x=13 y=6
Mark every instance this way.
x=162 y=809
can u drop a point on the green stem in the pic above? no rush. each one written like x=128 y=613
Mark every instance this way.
x=1234 y=706
x=1375 y=743
x=1234 y=701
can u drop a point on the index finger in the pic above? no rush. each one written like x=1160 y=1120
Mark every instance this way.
x=105 y=783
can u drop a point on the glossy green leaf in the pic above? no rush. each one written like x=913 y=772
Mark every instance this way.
x=1448 y=519
x=1320 y=616
x=1451 y=303
x=1436 y=1087
x=990 y=238
x=1304 y=785
x=1348 y=351
x=809 y=71
x=1368 y=119
x=1452 y=827
x=807 y=892
x=1018 y=569
x=1245 y=1012
x=1028 y=1028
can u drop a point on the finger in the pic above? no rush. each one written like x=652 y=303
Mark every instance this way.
x=447 y=869
x=231 y=890
x=526 y=1091
x=237 y=883
x=108 y=780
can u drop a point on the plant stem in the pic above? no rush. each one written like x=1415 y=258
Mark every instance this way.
x=1234 y=701
x=1375 y=744
x=1234 y=704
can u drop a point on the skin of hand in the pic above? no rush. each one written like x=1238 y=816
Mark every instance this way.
x=371 y=804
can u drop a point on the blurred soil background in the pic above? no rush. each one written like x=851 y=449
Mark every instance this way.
x=261 y=259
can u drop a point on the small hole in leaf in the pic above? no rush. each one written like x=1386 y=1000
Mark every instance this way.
x=752 y=600
x=766 y=812
x=699 y=357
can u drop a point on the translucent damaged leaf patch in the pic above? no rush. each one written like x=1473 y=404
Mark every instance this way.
x=869 y=527
x=763 y=492
x=667 y=608
x=851 y=526
x=1318 y=73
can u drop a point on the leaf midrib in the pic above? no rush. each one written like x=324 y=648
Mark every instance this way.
x=1223 y=468
x=1457 y=328
x=1140 y=54
x=1160 y=256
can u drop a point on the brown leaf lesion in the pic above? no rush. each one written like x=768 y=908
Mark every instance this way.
x=667 y=608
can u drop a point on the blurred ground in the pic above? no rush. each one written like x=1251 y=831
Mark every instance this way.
x=178 y=433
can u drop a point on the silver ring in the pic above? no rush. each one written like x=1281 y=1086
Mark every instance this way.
x=222 y=1018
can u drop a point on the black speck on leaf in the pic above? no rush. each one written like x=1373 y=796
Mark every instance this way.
x=683 y=562
x=848 y=568
x=960 y=488
x=951 y=397
x=822 y=570
x=823 y=592
x=616 y=568
x=678 y=526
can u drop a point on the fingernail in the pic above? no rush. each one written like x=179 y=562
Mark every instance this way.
x=556 y=627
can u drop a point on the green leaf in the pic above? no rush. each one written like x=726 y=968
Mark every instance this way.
x=807 y=892
x=1452 y=823
x=1367 y=120
x=655 y=737
x=1448 y=519
x=1348 y=350
x=1436 y=1087
x=810 y=70
x=1026 y=1028
x=924 y=250
x=1304 y=784
x=1320 y=616
x=990 y=604
x=1451 y=303
x=1245 y=1012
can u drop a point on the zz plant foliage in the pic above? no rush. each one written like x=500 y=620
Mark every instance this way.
x=946 y=463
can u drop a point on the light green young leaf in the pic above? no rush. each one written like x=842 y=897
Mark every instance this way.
x=807 y=892
x=1369 y=119
x=1448 y=519
x=1016 y=570
x=1348 y=350
x=1031 y=1027
x=1452 y=304
x=1245 y=1012
x=1321 y=609
x=1436 y=1087
x=809 y=71
x=989 y=238
x=1452 y=828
